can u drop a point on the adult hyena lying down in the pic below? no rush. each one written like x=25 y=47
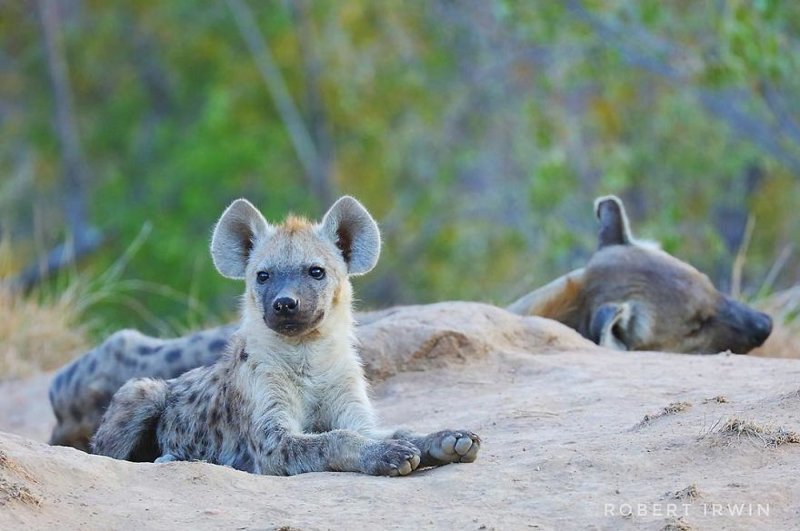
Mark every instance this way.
x=289 y=395
x=634 y=296
x=629 y=296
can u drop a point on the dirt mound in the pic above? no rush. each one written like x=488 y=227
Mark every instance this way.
x=555 y=414
x=410 y=338
x=416 y=338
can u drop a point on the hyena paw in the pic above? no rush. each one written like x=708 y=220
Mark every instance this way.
x=391 y=458
x=166 y=458
x=453 y=446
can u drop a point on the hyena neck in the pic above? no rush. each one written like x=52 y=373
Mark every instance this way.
x=332 y=341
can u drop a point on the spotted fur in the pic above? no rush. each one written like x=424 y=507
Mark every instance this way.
x=81 y=391
x=289 y=396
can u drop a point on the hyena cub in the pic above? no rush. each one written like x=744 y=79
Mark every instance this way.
x=289 y=396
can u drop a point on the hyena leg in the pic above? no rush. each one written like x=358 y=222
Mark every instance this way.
x=128 y=429
x=441 y=447
x=338 y=450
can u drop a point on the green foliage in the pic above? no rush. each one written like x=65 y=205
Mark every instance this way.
x=477 y=132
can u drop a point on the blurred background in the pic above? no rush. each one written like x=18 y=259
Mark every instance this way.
x=477 y=132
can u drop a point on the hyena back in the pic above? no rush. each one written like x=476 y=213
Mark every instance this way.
x=289 y=395
x=81 y=390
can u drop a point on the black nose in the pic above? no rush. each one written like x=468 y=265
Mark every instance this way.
x=761 y=328
x=284 y=305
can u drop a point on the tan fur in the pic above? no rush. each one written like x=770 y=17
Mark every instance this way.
x=556 y=300
x=634 y=296
x=295 y=224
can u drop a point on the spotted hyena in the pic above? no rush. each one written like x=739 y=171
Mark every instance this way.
x=634 y=296
x=630 y=296
x=289 y=395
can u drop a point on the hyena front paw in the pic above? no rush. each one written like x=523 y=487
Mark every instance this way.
x=390 y=458
x=453 y=446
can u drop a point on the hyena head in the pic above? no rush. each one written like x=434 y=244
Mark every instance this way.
x=638 y=297
x=297 y=273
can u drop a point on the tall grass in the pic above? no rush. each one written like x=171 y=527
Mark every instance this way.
x=38 y=333
x=43 y=330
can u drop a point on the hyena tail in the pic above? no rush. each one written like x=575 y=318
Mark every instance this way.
x=128 y=428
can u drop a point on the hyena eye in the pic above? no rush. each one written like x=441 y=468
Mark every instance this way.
x=262 y=276
x=316 y=272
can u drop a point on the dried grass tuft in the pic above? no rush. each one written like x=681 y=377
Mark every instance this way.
x=690 y=493
x=10 y=491
x=38 y=334
x=734 y=430
x=674 y=407
x=9 y=465
x=677 y=524
x=719 y=399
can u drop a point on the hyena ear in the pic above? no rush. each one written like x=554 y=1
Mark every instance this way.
x=616 y=325
x=555 y=300
x=355 y=233
x=235 y=234
x=614 y=226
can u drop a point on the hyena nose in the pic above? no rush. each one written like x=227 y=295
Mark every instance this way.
x=762 y=328
x=284 y=305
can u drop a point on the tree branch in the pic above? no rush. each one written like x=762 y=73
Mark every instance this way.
x=60 y=257
x=317 y=118
x=299 y=135
x=74 y=166
x=84 y=238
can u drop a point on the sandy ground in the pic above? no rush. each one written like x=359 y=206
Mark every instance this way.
x=564 y=445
